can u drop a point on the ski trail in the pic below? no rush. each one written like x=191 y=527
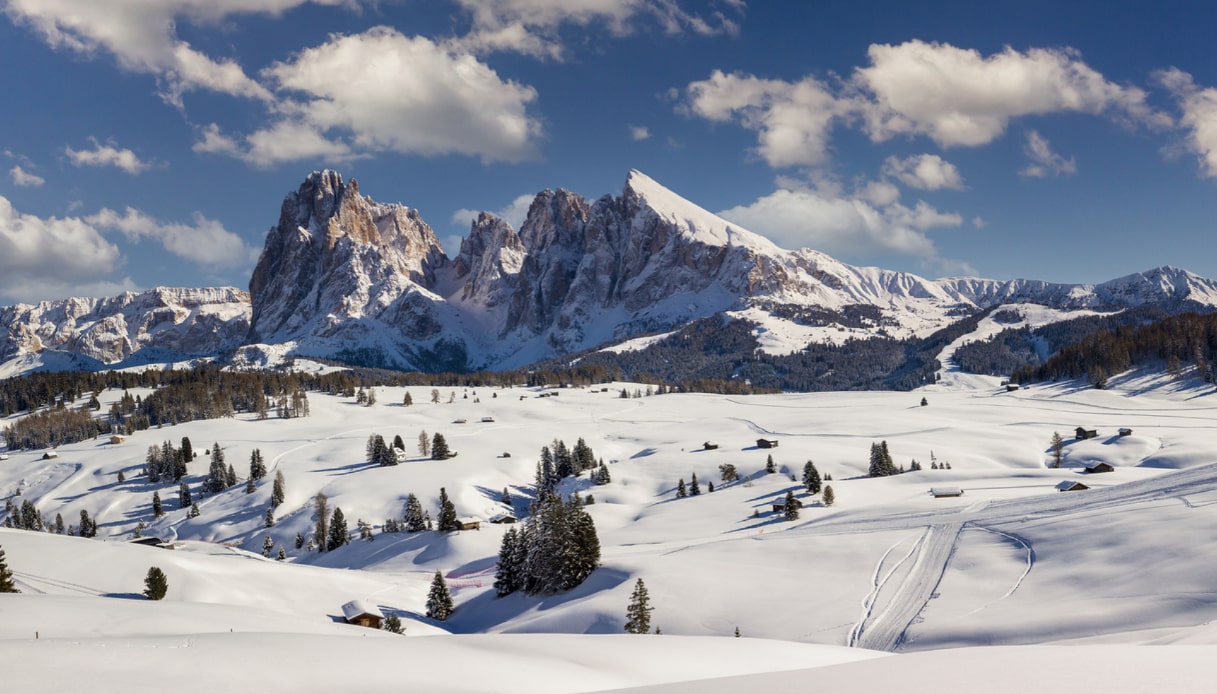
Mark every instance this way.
x=877 y=583
x=1030 y=563
x=29 y=579
x=888 y=628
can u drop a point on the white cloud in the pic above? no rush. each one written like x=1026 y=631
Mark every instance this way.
x=1044 y=161
x=1199 y=106
x=142 y=36
x=531 y=27
x=397 y=93
x=514 y=213
x=847 y=227
x=24 y=178
x=205 y=241
x=924 y=172
x=793 y=119
x=40 y=258
x=957 y=96
x=639 y=133
x=108 y=155
x=979 y=222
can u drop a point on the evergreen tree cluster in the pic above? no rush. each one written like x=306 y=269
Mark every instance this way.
x=257 y=466
x=558 y=462
x=380 y=453
x=166 y=463
x=23 y=517
x=219 y=475
x=88 y=525
x=881 y=464
x=554 y=550
x=811 y=478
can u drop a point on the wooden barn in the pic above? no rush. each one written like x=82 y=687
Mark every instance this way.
x=468 y=524
x=1125 y=431
x=780 y=506
x=363 y=613
x=1097 y=466
x=1070 y=486
x=945 y=492
x=709 y=446
x=49 y=455
x=766 y=443
x=1081 y=434
x=503 y=518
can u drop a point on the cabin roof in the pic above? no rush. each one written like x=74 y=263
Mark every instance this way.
x=354 y=608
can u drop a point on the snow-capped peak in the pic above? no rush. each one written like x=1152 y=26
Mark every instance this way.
x=692 y=220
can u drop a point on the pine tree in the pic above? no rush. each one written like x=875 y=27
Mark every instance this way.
x=710 y=487
x=321 y=508
x=217 y=475
x=299 y=540
x=250 y=486
x=121 y=476
x=270 y=517
x=7 y=584
x=339 y=534
x=638 y=614
x=424 y=444
x=282 y=554
x=88 y=526
x=505 y=497
x=694 y=487
x=447 y=512
x=257 y=468
x=58 y=524
x=790 y=509
x=183 y=496
x=1057 y=446
x=267 y=545
x=408 y=400
x=155 y=584
x=230 y=477
x=278 y=493
x=681 y=492
x=507 y=578
x=829 y=497
x=439 y=600
x=728 y=472
x=157 y=511
x=414 y=515
x=770 y=466
x=186 y=452
x=393 y=622
x=398 y=443
x=439 y=447
x=194 y=510
x=811 y=478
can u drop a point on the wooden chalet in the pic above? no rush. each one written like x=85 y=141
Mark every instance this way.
x=1011 y=387
x=487 y=420
x=766 y=443
x=151 y=541
x=780 y=506
x=709 y=446
x=49 y=455
x=1070 y=486
x=468 y=524
x=503 y=518
x=1125 y=431
x=945 y=492
x=1097 y=466
x=1081 y=434
x=363 y=613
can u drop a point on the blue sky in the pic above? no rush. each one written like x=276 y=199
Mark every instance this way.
x=150 y=142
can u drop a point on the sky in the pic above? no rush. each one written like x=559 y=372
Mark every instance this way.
x=151 y=142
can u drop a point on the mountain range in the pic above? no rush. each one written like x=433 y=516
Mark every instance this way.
x=346 y=278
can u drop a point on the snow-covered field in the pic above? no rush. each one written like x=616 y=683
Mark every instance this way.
x=1013 y=586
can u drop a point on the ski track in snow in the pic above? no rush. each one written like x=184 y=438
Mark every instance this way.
x=878 y=583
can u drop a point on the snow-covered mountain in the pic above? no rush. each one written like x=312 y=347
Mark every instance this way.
x=345 y=277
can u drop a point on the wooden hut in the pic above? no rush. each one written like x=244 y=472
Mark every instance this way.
x=1081 y=434
x=1125 y=431
x=766 y=443
x=1070 y=486
x=468 y=524
x=1097 y=466
x=945 y=492
x=363 y=613
x=709 y=446
x=780 y=506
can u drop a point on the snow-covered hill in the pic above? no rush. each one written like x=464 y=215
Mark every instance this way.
x=888 y=566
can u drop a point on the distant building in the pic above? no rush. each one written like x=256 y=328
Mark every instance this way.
x=780 y=506
x=363 y=613
x=49 y=455
x=487 y=420
x=468 y=524
x=118 y=439
x=709 y=446
x=1081 y=434
x=1011 y=387
x=943 y=492
x=1097 y=466
x=1125 y=431
x=766 y=443
x=503 y=518
x=1070 y=486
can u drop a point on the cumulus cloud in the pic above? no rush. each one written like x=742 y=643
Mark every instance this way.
x=515 y=212
x=24 y=178
x=639 y=133
x=957 y=96
x=380 y=90
x=108 y=155
x=142 y=37
x=204 y=241
x=793 y=120
x=924 y=172
x=531 y=27
x=52 y=256
x=1199 y=107
x=843 y=226
x=1043 y=161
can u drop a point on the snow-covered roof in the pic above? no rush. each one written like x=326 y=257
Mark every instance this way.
x=1092 y=464
x=1066 y=485
x=468 y=519
x=946 y=491
x=354 y=608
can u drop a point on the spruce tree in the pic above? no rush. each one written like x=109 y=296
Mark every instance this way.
x=638 y=613
x=393 y=622
x=278 y=492
x=339 y=534
x=694 y=487
x=681 y=492
x=282 y=554
x=408 y=400
x=250 y=486
x=791 y=507
x=811 y=478
x=439 y=600
x=424 y=443
x=58 y=524
x=770 y=466
x=321 y=508
x=414 y=515
x=155 y=584
x=267 y=545
x=439 y=447
x=507 y=574
x=230 y=477
x=194 y=510
x=157 y=511
x=7 y=584
x=1057 y=446
x=217 y=474
x=447 y=512
x=183 y=496
x=398 y=443
x=829 y=497
x=270 y=517
x=257 y=468
x=710 y=487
